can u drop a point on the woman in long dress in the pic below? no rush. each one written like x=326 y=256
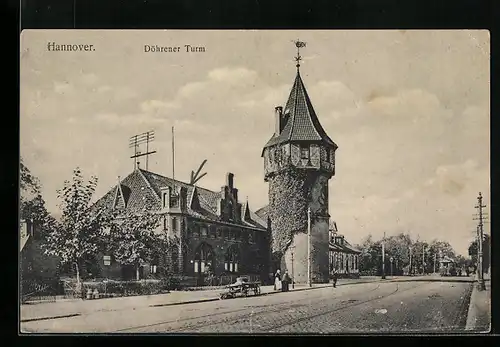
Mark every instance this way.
x=277 y=280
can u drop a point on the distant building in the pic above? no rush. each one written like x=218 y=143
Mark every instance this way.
x=446 y=265
x=344 y=258
x=216 y=233
x=37 y=270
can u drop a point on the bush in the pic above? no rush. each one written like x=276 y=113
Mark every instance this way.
x=171 y=283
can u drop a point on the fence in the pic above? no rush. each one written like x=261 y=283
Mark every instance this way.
x=45 y=289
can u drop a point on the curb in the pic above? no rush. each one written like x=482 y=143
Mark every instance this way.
x=473 y=313
x=52 y=317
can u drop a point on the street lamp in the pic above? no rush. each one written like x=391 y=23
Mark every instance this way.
x=309 y=284
x=293 y=278
x=383 y=257
x=391 y=259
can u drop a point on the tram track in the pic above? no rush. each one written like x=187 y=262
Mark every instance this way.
x=358 y=303
x=263 y=309
x=254 y=316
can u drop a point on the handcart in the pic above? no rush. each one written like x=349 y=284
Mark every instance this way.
x=242 y=287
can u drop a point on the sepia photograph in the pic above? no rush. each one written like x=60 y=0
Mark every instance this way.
x=254 y=182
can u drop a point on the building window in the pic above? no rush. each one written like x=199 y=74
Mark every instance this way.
x=204 y=258
x=174 y=224
x=204 y=231
x=251 y=236
x=231 y=260
x=174 y=201
x=304 y=152
x=164 y=199
x=165 y=223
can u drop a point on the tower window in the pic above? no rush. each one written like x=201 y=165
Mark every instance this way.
x=304 y=152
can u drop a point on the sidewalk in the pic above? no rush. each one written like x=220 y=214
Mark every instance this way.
x=479 y=314
x=69 y=308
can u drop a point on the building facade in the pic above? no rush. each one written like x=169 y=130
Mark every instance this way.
x=299 y=160
x=213 y=233
x=344 y=258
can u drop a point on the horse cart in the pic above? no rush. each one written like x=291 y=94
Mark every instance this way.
x=242 y=287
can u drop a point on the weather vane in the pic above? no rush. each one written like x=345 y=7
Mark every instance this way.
x=299 y=45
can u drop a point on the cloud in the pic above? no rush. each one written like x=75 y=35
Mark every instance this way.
x=158 y=106
x=89 y=78
x=416 y=104
x=63 y=87
x=233 y=76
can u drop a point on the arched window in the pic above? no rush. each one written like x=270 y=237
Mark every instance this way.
x=203 y=258
x=231 y=259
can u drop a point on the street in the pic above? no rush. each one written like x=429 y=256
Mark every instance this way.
x=404 y=306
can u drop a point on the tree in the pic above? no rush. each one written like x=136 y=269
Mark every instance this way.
x=79 y=234
x=486 y=251
x=436 y=250
x=370 y=257
x=31 y=203
x=132 y=236
x=398 y=247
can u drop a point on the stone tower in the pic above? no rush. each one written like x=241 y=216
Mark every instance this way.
x=299 y=160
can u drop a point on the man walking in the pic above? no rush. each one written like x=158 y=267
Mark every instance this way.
x=334 y=278
x=285 y=282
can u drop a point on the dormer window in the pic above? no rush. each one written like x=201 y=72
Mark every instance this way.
x=304 y=152
x=174 y=200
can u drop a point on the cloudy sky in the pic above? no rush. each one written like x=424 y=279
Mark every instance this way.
x=408 y=109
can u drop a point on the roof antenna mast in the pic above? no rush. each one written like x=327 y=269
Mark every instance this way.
x=137 y=140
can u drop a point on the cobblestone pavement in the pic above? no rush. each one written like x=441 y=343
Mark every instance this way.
x=383 y=306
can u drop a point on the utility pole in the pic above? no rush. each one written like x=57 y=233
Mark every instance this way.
x=481 y=217
x=309 y=247
x=383 y=257
x=409 y=270
x=423 y=259
x=435 y=255
x=293 y=277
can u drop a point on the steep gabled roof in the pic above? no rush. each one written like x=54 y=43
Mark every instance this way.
x=303 y=123
x=263 y=212
x=251 y=218
x=141 y=187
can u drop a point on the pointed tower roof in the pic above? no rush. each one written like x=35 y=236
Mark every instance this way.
x=302 y=123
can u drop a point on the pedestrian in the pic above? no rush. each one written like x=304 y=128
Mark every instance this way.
x=277 y=280
x=334 y=278
x=285 y=282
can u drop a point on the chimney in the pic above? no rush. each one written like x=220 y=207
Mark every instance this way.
x=229 y=180
x=183 y=196
x=219 y=207
x=278 y=113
